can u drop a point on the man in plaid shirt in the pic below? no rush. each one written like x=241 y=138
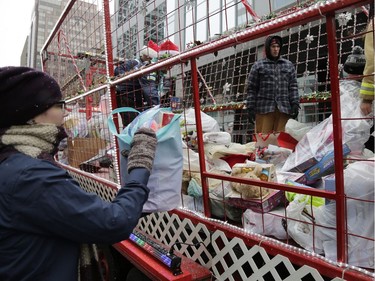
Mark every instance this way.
x=272 y=90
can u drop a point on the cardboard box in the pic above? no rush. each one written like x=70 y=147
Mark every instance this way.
x=83 y=149
x=324 y=167
x=304 y=166
x=266 y=204
x=329 y=183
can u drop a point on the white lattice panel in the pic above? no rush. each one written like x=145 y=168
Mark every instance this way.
x=95 y=186
x=170 y=229
x=229 y=259
x=253 y=263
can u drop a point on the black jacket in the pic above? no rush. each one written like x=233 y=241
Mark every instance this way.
x=45 y=216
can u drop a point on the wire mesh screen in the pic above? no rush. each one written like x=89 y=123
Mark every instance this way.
x=196 y=56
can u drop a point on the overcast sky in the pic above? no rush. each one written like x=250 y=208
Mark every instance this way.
x=15 y=20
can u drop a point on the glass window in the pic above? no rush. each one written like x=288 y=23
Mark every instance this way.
x=201 y=20
x=278 y=4
x=215 y=18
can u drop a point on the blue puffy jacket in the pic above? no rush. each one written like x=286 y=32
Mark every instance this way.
x=45 y=216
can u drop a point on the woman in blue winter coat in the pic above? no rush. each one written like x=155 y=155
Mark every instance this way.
x=44 y=215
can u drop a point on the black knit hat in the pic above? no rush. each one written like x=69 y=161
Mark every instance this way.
x=355 y=63
x=25 y=93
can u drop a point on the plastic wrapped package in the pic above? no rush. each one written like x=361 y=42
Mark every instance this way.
x=217 y=151
x=218 y=190
x=221 y=209
x=191 y=161
x=75 y=124
x=192 y=203
x=274 y=155
x=217 y=187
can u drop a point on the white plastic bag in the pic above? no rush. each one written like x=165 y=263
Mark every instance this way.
x=189 y=126
x=209 y=124
x=217 y=138
x=359 y=184
x=300 y=220
x=269 y=224
x=296 y=129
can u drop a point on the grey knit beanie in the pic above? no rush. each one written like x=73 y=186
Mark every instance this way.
x=355 y=63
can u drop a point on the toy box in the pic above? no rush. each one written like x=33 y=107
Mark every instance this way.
x=262 y=199
x=265 y=204
x=324 y=167
x=304 y=166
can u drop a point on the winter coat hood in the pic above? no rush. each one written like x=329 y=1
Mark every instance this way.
x=267 y=46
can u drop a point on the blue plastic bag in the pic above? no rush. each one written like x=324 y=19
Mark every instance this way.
x=166 y=176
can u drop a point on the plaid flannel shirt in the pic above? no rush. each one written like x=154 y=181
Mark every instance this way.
x=271 y=85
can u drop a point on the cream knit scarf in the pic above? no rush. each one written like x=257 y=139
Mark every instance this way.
x=38 y=140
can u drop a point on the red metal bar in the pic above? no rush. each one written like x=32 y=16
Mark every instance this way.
x=108 y=40
x=110 y=71
x=273 y=185
x=88 y=99
x=337 y=140
x=198 y=121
